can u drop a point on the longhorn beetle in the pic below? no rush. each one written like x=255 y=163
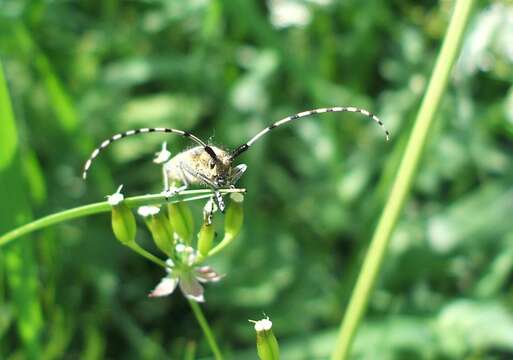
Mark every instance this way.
x=210 y=165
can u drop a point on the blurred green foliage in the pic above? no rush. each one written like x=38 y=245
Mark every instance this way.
x=80 y=71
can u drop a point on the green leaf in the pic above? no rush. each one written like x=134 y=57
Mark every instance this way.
x=9 y=139
x=18 y=261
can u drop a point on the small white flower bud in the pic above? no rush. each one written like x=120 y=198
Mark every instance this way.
x=146 y=211
x=181 y=220
x=267 y=345
x=123 y=221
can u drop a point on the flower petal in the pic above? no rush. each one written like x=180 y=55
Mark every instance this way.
x=165 y=287
x=149 y=210
x=207 y=274
x=116 y=198
x=191 y=288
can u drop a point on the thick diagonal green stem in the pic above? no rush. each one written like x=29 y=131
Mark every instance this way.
x=91 y=209
x=403 y=180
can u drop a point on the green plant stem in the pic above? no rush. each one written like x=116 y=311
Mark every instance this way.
x=227 y=240
x=209 y=335
x=144 y=253
x=91 y=209
x=403 y=180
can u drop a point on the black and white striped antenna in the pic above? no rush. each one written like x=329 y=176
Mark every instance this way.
x=242 y=148
x=122 y=135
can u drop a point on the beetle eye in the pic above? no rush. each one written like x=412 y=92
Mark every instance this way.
x=212 y=164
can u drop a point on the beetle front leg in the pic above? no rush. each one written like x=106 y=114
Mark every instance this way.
x=168 y=191
x=208 y=211
x=238 y=171
x=218 y=198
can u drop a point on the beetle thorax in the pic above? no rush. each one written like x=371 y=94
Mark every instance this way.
x=199 y=161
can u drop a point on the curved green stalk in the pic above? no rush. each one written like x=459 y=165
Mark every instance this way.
x=209 y=335
x=131 y=202
x=146 y=254
x=403 y=180
x=91 y=209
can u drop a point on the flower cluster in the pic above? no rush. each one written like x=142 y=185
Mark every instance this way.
x=186 y=274
x=172 y=230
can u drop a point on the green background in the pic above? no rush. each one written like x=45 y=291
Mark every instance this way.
x=79 y=71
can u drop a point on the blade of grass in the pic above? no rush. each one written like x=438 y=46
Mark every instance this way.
x=190 y=351
x=402 y=183
x=60 y=100
x=9 y=143
x=19 y=262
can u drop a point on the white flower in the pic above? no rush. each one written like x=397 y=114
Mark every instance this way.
x=116 y=198
x=146 y=211
x=263 y=325
x=185 y=275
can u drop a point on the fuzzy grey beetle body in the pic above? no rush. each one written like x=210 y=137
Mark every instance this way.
x=199 y=162
x=209 y=165
x=198 y=167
